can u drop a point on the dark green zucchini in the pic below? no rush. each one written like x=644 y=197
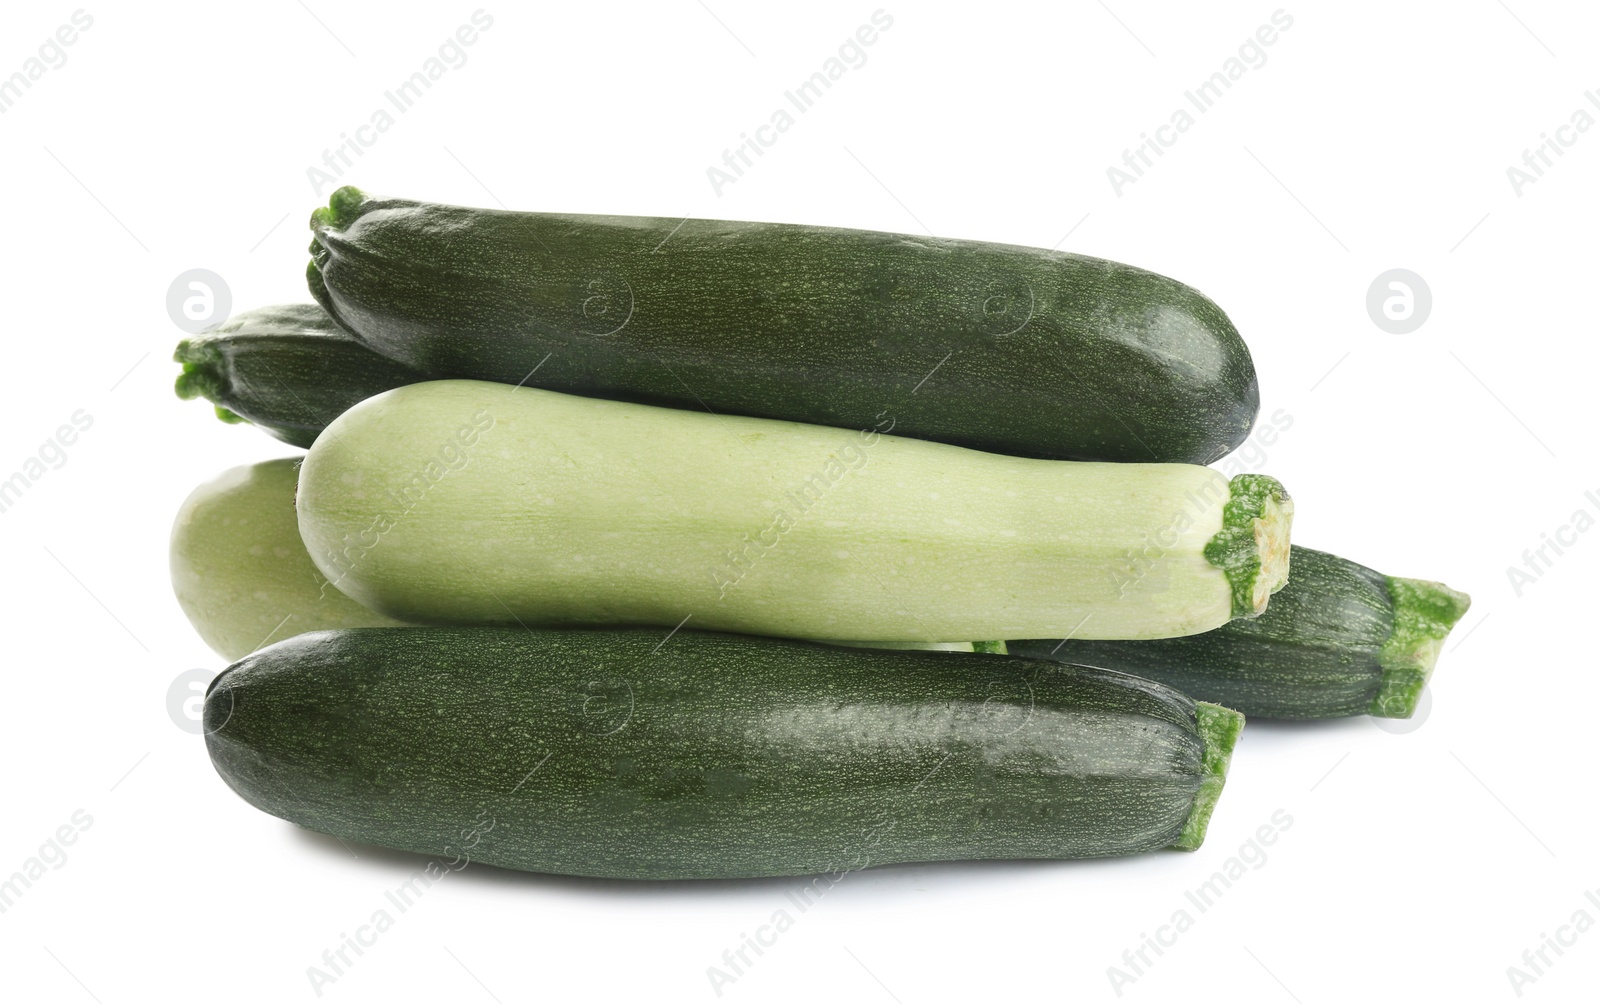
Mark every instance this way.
x=615 y=754
x=288 y=369
x=1338 y=639
x=1001 y=348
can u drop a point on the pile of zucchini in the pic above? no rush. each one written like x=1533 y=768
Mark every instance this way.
x=647 y=548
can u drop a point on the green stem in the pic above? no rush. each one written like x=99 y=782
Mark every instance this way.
x=1252 y=548
x=202 y=366
x=1219 y=729
x=1424 y=613
x=204 y=375
x=343 y=206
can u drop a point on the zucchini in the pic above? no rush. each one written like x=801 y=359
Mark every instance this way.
x=1001 y=348
x=463 y=502
x=1339 y=639
x=288 y=369
x=616 y=754
x=243 y=576
x=240 y=571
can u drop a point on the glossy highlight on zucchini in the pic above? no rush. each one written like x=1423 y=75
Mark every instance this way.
x=996 y=347
x=629 y=754
x=1338 y=639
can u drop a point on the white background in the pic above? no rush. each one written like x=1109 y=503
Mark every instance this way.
x=1375 y=136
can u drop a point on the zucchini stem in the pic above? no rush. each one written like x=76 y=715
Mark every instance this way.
x=204 y=375
x=202 y=370
x=1252 y=548
x=1424 y=613
x=1219 y=730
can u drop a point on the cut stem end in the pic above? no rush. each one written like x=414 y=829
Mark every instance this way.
x=1219 y=730
x=1424 y=614
x=1252 y=548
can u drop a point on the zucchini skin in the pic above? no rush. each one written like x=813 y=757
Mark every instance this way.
x=244 y=578
x=707 y=756
x=288 y=369
x=240 y=571
x=1338 y=639
x=996 y=347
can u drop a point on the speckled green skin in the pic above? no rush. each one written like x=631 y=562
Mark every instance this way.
x=618 y=754
x=288 y=369
x=1339 y=639
x=1002 y=348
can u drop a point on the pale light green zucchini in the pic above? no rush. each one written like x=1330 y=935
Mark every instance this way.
x=240 y=571
x=244 y=579
x=463 y=502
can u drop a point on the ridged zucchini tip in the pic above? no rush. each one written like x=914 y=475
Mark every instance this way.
x=1252 y=548
x=1424 y=614
x=1219 y=730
